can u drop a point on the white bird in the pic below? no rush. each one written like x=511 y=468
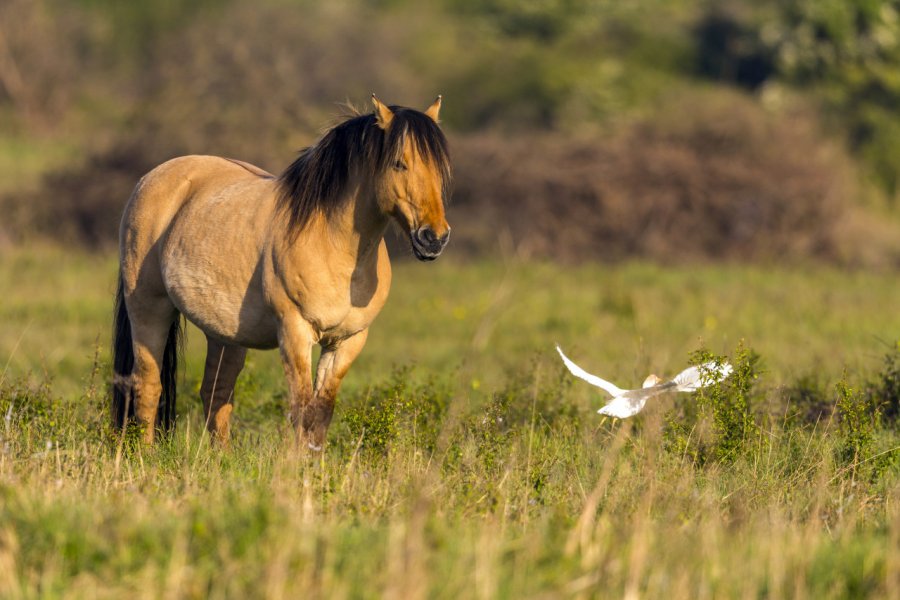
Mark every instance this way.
x=627 y=403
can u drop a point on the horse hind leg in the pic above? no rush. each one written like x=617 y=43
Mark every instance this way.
x=223 y=365
x=151 y=330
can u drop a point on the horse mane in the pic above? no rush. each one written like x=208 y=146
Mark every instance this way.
x=317 y=180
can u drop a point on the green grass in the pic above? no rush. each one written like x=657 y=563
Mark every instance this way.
x=463 y=461
x=484 y=321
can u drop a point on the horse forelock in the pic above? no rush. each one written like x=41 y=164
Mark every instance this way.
x=318 y=179
x=429 y=141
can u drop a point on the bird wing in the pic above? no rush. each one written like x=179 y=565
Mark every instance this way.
x=592 y=379
x=623 y=407
x=694 y=378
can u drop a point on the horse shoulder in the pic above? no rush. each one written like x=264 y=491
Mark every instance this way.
x=337 y=300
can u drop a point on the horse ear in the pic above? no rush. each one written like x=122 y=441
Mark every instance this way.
x=433 y=110
x=383 y=114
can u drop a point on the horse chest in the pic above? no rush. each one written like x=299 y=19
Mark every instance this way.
x=338 y=303
x=335 y=315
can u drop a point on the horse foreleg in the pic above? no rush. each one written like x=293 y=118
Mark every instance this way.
x=333 y=366
x=295 y=340
x=223 y=365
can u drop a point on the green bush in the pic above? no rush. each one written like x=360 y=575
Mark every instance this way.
x=719 y=426
x=395 y=411
x=858 y=419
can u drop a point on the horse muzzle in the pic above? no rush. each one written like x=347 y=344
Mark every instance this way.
x=426 y=244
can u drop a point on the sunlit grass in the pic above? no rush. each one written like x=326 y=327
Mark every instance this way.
x=483 y=320
x=483 y=470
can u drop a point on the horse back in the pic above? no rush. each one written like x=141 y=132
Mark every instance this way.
x=161 y=193
x=194 y=230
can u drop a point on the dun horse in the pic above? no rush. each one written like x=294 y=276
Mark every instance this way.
x=258 y=261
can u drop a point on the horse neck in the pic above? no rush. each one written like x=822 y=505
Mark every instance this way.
x=359 y=224
x=349 y=235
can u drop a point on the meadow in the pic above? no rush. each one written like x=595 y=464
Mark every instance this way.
x=646 y=183
x=463 y=460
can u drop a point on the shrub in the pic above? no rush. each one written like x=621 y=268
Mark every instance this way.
x=858 y=420
x=714 y=176
x=723 y=421
x=377 y=422
x=396 y=411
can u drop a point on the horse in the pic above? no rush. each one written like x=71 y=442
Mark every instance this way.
x=262 y=261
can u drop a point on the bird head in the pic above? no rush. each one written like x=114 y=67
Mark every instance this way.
x=651 y=381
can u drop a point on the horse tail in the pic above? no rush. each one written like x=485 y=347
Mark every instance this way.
x=165 y=414
x=123 y=365
x=122 y=409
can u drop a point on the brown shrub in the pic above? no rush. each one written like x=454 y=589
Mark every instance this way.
x=715 y=176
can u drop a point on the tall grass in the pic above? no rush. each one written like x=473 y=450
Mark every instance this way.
x=477 y=468
x=511 y=497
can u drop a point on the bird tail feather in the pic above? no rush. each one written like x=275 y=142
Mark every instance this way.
x=694 y=378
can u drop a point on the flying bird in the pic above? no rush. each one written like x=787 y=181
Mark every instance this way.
x=627 y=403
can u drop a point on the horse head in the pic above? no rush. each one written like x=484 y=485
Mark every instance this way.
x=414 y=177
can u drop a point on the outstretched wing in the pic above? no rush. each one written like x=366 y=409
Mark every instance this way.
x=624 y=406
x=694 y=378
x=592 y=379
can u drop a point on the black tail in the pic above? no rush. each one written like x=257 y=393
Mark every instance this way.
x=165 y=415
x=123 y=364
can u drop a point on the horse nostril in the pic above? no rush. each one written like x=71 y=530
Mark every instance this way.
x=427 y=234
x=445 y=238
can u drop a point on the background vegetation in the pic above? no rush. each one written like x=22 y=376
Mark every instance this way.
x=766 y=129
x=646 y=183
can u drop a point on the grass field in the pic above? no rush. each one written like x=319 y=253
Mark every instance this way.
x=463 y=461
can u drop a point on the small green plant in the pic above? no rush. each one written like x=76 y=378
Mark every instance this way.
x=128 y=441
x=395 y=410
x=678 y=439
x=858 y=419
x=377 y=422
x=33 y=412
x=491 y=430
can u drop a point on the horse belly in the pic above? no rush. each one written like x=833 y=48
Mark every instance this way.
x=212 y=269
x=220 y=305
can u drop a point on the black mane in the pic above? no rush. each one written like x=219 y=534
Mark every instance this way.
x=318 y=179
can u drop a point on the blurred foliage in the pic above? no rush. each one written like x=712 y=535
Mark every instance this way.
x=844 y=53
x=521 y=64
x=517 y=64
x=884 y=392
x=729 y=181
x=644 y=90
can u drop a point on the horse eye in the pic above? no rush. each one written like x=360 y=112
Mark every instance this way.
x=400 y=165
